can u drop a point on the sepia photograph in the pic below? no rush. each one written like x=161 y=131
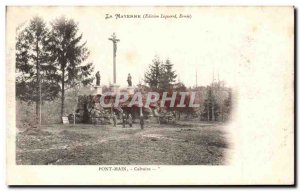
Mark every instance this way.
x=144 y=89
x=77 y=107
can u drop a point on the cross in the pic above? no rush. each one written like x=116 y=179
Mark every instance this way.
x=115 y=41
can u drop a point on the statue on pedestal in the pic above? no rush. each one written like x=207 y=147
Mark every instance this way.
x=129 y=80
x=98 y=78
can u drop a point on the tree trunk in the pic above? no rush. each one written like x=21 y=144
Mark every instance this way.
x=222 y=112
x=208 y=113
x=200 y=114
x=38 y=102
x=213 y=112
x=62 y=95
x=37 y=111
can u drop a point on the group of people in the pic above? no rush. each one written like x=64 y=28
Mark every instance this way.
x=128 y=120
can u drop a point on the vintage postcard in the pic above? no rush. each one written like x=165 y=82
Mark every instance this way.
x=150 y=95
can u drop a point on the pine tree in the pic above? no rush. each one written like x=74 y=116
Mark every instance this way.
x=69 y=55
x=153 y=75
x=36 y=79
x=228 y=104
x=160 y=75
x=168 y=76
x=210 y=105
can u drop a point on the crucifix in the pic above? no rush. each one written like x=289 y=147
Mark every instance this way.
x=115 y=41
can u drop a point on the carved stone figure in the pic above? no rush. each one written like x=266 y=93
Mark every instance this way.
x=98 y=78
x=129 y=80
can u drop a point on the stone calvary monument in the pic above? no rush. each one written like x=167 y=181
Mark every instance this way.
x=89 y=107
x=89 y=110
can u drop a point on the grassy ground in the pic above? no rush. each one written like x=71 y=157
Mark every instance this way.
x=180 y=144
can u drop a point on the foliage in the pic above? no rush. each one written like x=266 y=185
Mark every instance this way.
x=168 y=75
x=153 y=75
x=32 y=65
x=160 y=75
x=218 y=103
x=69 y=54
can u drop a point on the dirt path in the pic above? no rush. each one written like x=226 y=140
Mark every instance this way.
x=115 y=145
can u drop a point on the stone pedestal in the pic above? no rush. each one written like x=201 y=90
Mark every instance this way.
x=130 y=90
x=114 y=88
x=97 y=90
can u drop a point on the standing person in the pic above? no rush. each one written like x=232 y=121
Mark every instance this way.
x=142 y=121
x=130 y=120
x=157 y=115
x=114 y=117
x=123 y=120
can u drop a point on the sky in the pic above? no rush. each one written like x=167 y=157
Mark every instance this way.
x=203 y=44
